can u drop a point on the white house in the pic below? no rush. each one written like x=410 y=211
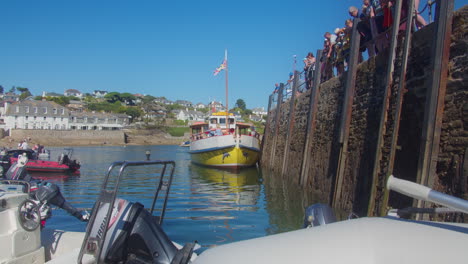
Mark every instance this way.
x=216 y=106
x=260 y=111
x=97 y=121
x=184 y=103
x=73 y=92
x=99 y=94
x=199 y=106
x=30 y=114
x=189 y=115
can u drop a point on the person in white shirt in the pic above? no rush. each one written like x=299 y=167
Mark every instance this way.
x=24 y=145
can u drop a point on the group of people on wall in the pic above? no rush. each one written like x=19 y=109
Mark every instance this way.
x=375 y=20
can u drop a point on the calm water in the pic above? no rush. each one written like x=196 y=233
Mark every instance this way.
x=208 y=205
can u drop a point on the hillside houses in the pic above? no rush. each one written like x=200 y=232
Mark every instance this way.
x=199 y=106
x=184 y=103
x=189 y=115
x=73 y=92
x=32 y=114
x=216 y=106
x=42 y=114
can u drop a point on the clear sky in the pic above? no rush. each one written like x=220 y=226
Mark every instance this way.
x=162 y=48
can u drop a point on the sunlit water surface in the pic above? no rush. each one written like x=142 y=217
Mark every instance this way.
x=210 y=206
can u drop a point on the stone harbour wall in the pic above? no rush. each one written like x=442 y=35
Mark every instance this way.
x=323 y=157
x=68 y=137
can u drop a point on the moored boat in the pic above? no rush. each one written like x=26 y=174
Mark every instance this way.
x=217 y=144
x=63 y=165
x=185 y=143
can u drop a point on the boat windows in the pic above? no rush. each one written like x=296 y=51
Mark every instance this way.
x=213 y=121
x=222 y=120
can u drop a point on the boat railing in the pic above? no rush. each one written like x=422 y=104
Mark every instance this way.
x=424 y=193
x=108 y=196
x=204 y=135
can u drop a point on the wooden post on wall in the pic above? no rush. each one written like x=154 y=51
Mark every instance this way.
x=277 y=120
x=290 y=121
x=347 y=109
x=399 y=100
x=385 y=106
x=434 y=110
x=267 y=126
x=311 y=117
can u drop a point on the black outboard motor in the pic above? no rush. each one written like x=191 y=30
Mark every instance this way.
x=123 y=232
x=318 y=214
x=44 y=192
x=132 y=236
x=17 y=172
x=50 y=193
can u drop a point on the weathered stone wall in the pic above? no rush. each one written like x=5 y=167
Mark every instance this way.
x=452 y=168
x=69 y=137
x=364 y=128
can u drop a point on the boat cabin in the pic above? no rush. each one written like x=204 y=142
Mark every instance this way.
x=216 y=126
x=218 y=120
x=246 y=129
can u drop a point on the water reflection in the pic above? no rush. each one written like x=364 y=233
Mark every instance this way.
x=54 y=176
x=234 y=191
x=286 y=202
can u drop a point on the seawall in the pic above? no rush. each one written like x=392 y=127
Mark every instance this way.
x=362 y=185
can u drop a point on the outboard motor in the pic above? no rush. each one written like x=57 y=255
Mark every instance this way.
x=132 y=235
x=318 y=214
x=123 y=232
x=50 y=193
x=17 y=171
x=42 y=192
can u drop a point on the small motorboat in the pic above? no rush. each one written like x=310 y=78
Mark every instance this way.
x=185 y=144
x=64 y=164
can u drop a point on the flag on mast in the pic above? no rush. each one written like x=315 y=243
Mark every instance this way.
x=222 y=66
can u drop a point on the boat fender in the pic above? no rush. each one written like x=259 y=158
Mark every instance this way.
x=318 y=214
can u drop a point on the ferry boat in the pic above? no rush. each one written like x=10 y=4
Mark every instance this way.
x=224 y=144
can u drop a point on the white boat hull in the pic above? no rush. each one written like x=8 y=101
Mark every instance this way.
x=364 y=240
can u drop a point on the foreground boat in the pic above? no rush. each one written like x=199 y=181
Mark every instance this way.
x=120 y=231
x=235 y=145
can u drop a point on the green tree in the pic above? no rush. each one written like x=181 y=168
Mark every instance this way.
x=127 y=98
x=38 y=98
x=148 y=99
x=113 y=97
x=25 y=93
x=174 y=107
x=241 y=104
x=22 y=89
x=61 y=100
x=1 y=89
x=134 y=112
x=204 y=110
x=13 y=89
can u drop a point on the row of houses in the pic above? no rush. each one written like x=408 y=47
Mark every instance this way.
x=33 y=114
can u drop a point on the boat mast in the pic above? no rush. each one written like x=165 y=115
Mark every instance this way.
x=227 y=105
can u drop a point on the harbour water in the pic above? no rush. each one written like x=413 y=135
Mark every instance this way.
x=210 y=206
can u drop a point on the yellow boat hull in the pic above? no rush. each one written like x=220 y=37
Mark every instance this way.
x=230 y=157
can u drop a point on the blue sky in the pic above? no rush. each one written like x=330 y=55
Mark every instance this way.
x=162 y=48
